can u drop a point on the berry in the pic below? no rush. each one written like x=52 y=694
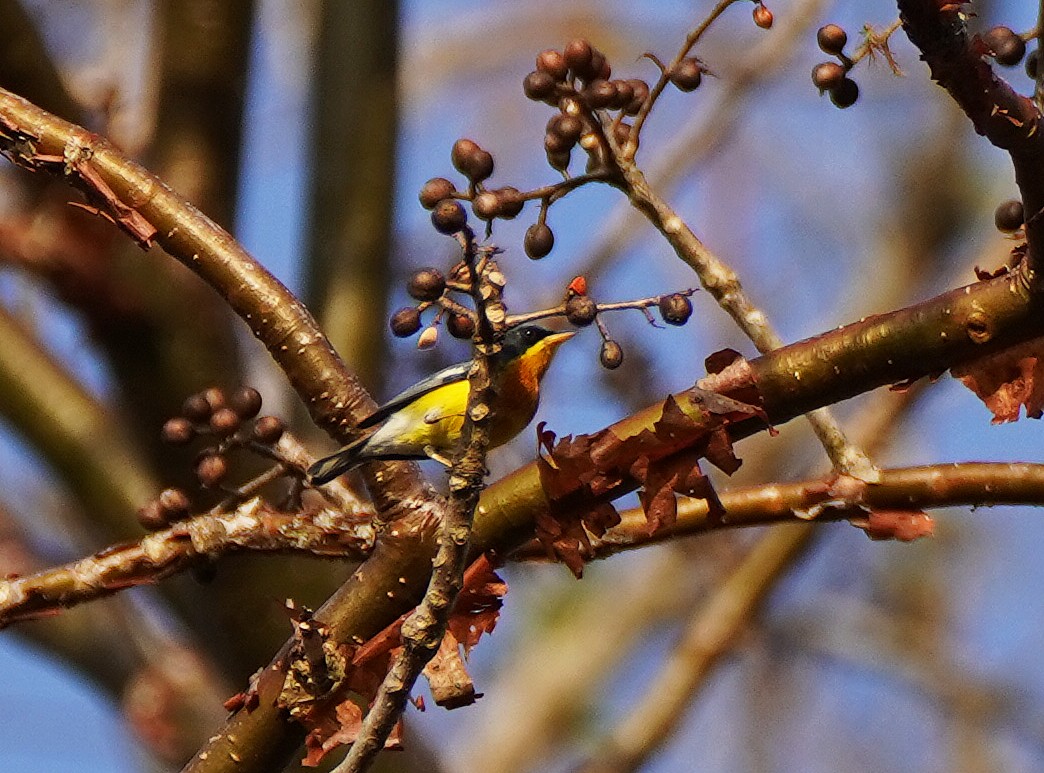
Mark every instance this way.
x=215 y=398
x=567 y=128
x=177 y=431
x=827 y=76
x=471 y=161
x=428 y=338
x=762 y=16
x=539 y=241
x=553 y=63
x=845 y=93
x=558 y=160
x=611 y=355
x=578 y=54
x=268 y=429
x=1007 y=47
x=196 y=407
x=511 y=202
x=486 y=205
x=581 y=310
x=539 y=86
x=624 y=94
x=460 y=326
x=174 y=503
x=832 y=39
x=246 y=402
x=427 y=284
x=641 y=93
x=687 y=75
x=449 y=216
x=211 y=470
x=435 y=190
x=224 y=422
x=405 y=322
x=152 y=516
x=1032 y=63
x=675 y=309
x=1009 y=216
x=599 y=93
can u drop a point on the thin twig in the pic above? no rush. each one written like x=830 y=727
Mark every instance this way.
x=250 y=526
x=631 y=147
x=423 y=630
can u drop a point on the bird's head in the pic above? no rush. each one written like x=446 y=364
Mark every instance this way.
x=534 y=347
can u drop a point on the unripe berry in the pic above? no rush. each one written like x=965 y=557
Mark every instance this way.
x=832 y=39
x=428 y=338
x=426 y=284
x=449 y=216
x=539 y=240
x=435 y=190
x=405 y=322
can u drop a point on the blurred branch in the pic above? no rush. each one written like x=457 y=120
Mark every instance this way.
x=73 y=432
x=26 y=67
x=352 y=182
x=696 y=141
x=119 y=646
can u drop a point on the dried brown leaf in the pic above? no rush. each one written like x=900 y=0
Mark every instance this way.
x=1008 y=380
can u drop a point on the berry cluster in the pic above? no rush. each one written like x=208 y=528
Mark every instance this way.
x=429 y=286
x=211 y=413
x=581 y=310
x=832 y=77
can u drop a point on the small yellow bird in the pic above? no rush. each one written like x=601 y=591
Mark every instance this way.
x=425 y=421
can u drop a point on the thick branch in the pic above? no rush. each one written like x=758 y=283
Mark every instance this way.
x=818 y=500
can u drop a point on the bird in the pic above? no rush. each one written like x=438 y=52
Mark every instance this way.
x=425 y=420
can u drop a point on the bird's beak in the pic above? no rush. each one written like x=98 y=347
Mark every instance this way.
x=555 y=340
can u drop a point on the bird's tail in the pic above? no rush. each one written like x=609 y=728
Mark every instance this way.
x=328 y=468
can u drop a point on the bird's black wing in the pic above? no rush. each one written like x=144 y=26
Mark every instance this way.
x=449 y=375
